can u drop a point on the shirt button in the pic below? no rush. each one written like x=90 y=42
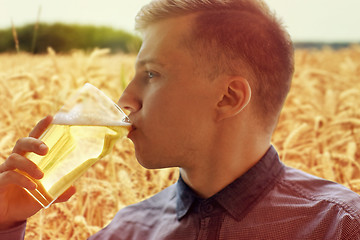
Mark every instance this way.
x=208 y=208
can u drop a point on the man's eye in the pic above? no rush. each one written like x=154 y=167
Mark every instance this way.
x=150 y=75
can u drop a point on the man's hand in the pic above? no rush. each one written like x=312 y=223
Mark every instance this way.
x=16 y=205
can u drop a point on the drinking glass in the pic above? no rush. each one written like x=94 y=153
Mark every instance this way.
x=83 y=131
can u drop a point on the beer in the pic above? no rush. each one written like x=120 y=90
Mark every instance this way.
x=83 y=131
x=72 y=150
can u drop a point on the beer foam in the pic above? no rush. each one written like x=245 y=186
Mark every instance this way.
x=88 y=120
x=90 y=106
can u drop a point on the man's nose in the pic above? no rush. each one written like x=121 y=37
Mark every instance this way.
x=130 y=99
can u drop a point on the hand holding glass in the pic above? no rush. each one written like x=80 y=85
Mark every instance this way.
x=83 y=131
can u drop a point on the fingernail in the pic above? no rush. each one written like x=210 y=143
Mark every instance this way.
x=31 y=186
x=39 y=174
x=43 y=147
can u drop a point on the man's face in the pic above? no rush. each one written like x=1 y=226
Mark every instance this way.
x=171 y=107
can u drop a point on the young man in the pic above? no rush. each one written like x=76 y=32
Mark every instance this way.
x=211 y=79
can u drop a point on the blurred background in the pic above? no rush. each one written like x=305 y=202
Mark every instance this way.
x=86 y=24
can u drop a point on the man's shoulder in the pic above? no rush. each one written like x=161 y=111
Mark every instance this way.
x=151 y=206
x=316 y=189
x=138 y=220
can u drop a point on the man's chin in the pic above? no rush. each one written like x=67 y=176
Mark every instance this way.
x=148 y=164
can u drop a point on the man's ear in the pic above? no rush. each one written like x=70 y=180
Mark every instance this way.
x=235 y=98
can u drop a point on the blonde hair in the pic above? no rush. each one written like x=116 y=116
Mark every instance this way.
x=235 y=37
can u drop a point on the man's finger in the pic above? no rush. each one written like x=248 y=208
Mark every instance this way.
x=22 y=163
x=41 y=127
x=30 y=144
x=12 y=177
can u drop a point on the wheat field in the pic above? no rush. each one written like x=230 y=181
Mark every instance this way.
x=318 y=131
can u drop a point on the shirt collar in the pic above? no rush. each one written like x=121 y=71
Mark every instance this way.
x=238 y=197
x=185 y=197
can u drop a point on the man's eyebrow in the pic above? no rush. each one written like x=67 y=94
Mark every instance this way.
x=149 y=61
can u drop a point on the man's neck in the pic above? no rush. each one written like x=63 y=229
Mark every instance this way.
x=219 y=171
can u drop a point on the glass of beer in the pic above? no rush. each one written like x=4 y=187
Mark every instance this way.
x=83 y=131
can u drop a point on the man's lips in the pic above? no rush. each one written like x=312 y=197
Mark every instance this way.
x=132 y=129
